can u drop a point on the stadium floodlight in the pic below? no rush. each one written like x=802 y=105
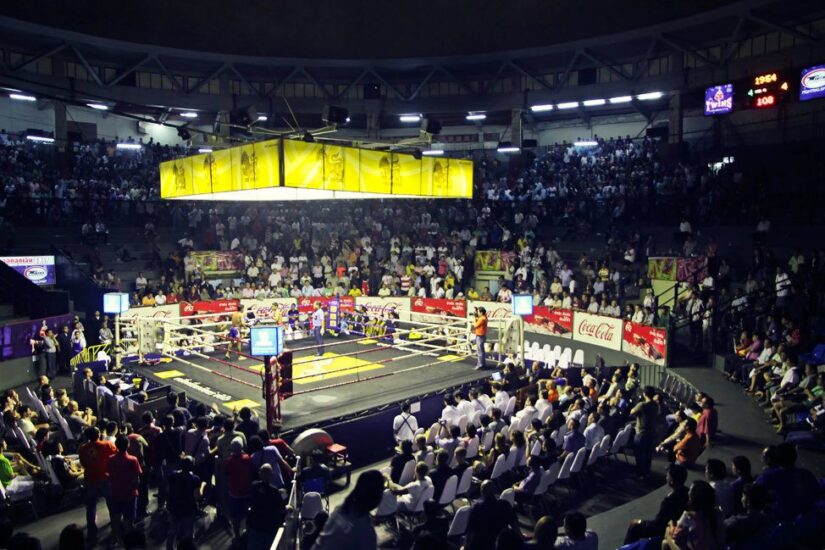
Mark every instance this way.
x=621 y=99
x=433 y=152
x=507 y=147
x=649 y=96
x=541 y=108
x=568 y=105
x=129 y=146
x=410 y=118
x=593 y=102
x=189 y=114
x=204 y=150
x=22 y=97
x=476 y=116
x=98 y=106
x=262 y=118
x=40 y=139
x=586 y=143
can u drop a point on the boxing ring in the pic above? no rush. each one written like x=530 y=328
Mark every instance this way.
x=360 y=368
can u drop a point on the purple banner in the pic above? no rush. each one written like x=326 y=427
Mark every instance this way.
x=37 y=269
x=16 y=338
x=719 y=99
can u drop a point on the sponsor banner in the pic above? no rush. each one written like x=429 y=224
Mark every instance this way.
x=37 y=269
x=218 y=262
x=307 y=303
x=493 y=260
x=440 y=306
x=382 y=306
x=496 y=311
x=269 y=309
x=812 y=83
x=661 y=268
x=597 y=330
x=551 y=321
x=159 y=312
x=203 y=307
x=646 y=342
x=16 y=338
x=692 y=269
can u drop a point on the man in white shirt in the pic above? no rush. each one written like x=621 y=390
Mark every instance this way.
x=404 y=425
x=464 y=407
x=449 y=413
x=318 y=326
x=141 y=282
x=594 y=432
x=543 y=403
x=412 y=493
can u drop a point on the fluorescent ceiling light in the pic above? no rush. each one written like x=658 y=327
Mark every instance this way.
x=189 y=114
x=130 y=146
x=568 y=105
x=40 y=139
x=507 y=147
x=593 y=102
x=621 y=99
x=262 y=118
x=586 y=143
x=204 y=150
x=476 y=116
x=649 y=96
x=410 y=118
x=433 y=152
x=23 y=97
x=541 y=108
x=98 y=106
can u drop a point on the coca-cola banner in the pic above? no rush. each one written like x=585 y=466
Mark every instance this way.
x=437 y=306
x=382 y=306
x=268 y=309
x=597 y=330
x=497 y=311
x=646 y=342
x=551 y=321
x=203 y=307
x=307 y=303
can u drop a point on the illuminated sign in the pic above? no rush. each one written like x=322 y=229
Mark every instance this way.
x=719 y=99
x=522 y=304
x=766 y=90
x=812 y=83
x=266 y=340
x=39 y=270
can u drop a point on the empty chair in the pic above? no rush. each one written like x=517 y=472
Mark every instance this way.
x=462 y=423
x=536 y=449
x=408 y=473
x=595 y=453
x=511 y=407
x=567 y=354
x=311 y=506
x=464 y=483
x=429 y=459
x=475 y=419
x=556 y=353
x=448 y=493
x=509 y=495
x=562 y=431
x=546 y=351
x=564 y=472
x=544 y=484
x=578 y=358
x=511 y=460
x=433 y=433
x=505 y=432
x=552 y=474
x=563 y=364
x=459 y=524
x=488 y=440
x=578 y=462
x=388 y=505
x=498 y=468
x=472 y=448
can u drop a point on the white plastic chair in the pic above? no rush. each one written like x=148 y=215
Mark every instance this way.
x=311 y=506
x=388 y=505
x=544 y=484
x=536 y=449
x=578 y=358
x=460 y=521
x=511 y=460
x=511 y=407
x=462 y=423
x=564 y=364
x=545 y=413
x=546 y=352
x=556 y=354
x=449 y=491
x=563 y=429
x=578 y=462
x=505 y=432
x=464 y=483
x=594 y=455
x=552 y=474
x=564 y=472
x=475 y=419
x=567 y=354
x=425 y=496
x=509 y=495
x=472 y=448
x=499 y=468
x=429 y=459
x=433 y=433
x=408 y=473
x=487 y=441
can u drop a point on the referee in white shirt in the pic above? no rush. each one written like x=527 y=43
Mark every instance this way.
x=404 y=425
x=318 y=322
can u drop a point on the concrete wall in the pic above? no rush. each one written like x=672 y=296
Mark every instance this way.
x=16 y=372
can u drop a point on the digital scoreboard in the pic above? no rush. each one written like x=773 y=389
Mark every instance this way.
x=766 y=90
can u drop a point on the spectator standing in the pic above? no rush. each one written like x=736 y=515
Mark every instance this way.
x=184 y=492
x=124 y=475
x=489 y=516
x=239 y=481
x=267 y=510
x=646 y=412
x=404 y=425
x=350 y=527
x=94 y=456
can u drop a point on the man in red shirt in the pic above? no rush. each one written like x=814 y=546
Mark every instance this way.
x=94 y=457
x=124 y=476
x=239 y=480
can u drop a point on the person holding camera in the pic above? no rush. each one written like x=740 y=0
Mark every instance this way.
x=480 y=331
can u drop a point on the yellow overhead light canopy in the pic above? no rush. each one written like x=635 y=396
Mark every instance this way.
x=284 y=169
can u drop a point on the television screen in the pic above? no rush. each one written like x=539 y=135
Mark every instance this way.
x=522 y=304
x=719 y=99
x=812 y=84
x=266 y=340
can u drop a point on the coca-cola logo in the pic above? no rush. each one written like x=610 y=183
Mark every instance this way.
x=304 y=301
x=599 y=331
x=188 y=307
x=419 y=302
x=628 y=327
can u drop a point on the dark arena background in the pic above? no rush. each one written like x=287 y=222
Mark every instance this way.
x=412 y=275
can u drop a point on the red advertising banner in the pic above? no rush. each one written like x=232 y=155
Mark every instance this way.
x=307 y=303
x=597 y=330
x=552 y=321
x=440 y=306
x=646 y=342
x=203 y=307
